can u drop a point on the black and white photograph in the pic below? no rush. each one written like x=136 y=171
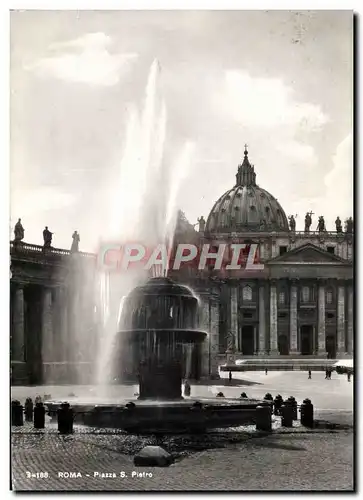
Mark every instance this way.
x=182 y=280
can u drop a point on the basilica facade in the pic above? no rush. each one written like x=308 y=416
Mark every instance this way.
x=298 y=302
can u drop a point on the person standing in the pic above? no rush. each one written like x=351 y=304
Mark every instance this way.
x=186 y=388
x=230 y=375
x=309 y=372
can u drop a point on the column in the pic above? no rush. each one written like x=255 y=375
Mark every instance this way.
x=234 y=316
x=273 y=319
x=204 y=324
x=261 y=347
x=63 y=342
x=47 y=326
x=214 y=340
x=341 y=320
x=56 y=325
x=18 y=340
x=293 y=317
x=350 y=335
x=321 y=320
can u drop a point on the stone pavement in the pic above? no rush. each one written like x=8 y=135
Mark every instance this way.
x=296 y=459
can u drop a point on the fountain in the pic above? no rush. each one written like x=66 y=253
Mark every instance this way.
x=150 y=329
x=159 y=324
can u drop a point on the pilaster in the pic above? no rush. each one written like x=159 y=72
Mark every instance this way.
x=234 y=315
x=321 y=319
x=350 y=331
x=273 y=318
x=261 y=348
x=293 y=317
x=341 y=319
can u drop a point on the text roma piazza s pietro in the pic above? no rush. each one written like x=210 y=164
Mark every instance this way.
x=222 y=256
x=105 y=475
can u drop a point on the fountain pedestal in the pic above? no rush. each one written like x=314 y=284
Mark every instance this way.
x=160 y=380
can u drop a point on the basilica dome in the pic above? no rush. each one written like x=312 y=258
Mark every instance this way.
x=246 y=207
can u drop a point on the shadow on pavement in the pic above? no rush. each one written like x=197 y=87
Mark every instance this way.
x=225 y=382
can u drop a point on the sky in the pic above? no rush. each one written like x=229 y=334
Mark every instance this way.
x=280 y=81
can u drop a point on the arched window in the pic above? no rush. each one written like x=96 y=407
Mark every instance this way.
x=282 y=298
x=305 y=294
x=247 y=293
x=329 y=297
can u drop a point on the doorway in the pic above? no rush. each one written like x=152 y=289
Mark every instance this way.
x=307 y=339
x=283 y=345
x=330 y=346
x=248 y=340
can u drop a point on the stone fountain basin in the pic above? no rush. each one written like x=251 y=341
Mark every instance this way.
x=162 y=416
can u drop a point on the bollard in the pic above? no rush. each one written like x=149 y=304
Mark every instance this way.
x=307 y=413
x=28 y=409
x=17 y=417
x=286 y=414
x=278 y=401
x=244 y=395
x=39 y=416
x=263 y=418
x=65 y=419
x=293 y=403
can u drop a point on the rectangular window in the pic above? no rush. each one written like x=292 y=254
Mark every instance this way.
x=283 y=250
x=305 y=294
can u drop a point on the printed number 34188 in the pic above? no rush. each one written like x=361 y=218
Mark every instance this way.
x=37 y=475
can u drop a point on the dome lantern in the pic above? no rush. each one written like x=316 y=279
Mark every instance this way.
x=246 y=172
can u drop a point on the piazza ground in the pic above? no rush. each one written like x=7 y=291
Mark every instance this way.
x=296 y=459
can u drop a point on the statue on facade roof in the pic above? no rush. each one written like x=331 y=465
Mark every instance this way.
x=349 y=226
x=338 y=225
x=75 y=242
x=47 y=237
x=308 y=221
x=231 y=342
x=201 y=221
x=18 y=231
x=292 y=223
x=321 y=224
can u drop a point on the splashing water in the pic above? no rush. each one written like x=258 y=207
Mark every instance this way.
x=143 y=209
